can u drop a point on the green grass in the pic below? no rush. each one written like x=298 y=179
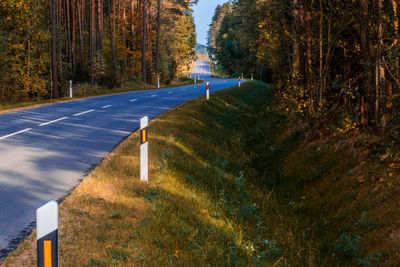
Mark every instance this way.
x=232 y=183
x=217 y=71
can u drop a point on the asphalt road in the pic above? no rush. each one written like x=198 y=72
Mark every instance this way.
x=45 y=151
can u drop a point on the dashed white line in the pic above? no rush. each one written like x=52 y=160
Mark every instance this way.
x=87 y=111
x=153 y=95
x=106 y=106
x=133 y=100
x=170 y=92
x=9 y=135
x=50 y=122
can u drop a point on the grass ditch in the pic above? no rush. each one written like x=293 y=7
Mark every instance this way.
x=232 y=183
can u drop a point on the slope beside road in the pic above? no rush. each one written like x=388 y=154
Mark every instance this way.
x=46 y=151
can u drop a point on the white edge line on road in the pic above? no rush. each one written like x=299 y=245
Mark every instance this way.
x=50 y=122
x=153 y=95
x=87 y=111
x=106 y=106
x=9 y=135
x=170 y=92
x=133 y=100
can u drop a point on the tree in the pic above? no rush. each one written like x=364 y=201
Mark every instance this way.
x=54 y=65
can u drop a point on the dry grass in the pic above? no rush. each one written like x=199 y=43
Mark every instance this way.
x=93 y=91
x=232 y=183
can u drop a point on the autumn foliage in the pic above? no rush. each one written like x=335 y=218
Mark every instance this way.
x=44 y=44
x=331 y=61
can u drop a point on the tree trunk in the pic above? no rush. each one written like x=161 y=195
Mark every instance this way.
x=54 y=72
x=100 y=25
x=92 y=46
x=295 y=46
x=144 y=42
x=68 y=46
x=149 y=54
x=364 y=45
x=112 y=36
x=380 y=71
x=321 y=55
x=309 y=57
x=125 y=63
x=73 y=37
x=81 y=4
x=158 y=37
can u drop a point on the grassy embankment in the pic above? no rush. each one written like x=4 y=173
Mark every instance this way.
x=86 y=90
x=217 y=71
x=232 y=182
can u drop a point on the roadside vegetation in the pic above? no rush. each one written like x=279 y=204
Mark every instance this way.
x=233 y=182
x=104 y=43
x=86 y=90
x=217 y=71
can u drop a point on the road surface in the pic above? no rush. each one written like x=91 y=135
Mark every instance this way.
x=45 y=151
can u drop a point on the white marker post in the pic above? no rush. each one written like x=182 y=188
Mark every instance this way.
x=47 y=235
x=195 y=79
x=70 y=88
x=158 y=82
x=208 y=91
x=144 y=149
x=239 y=81
x=252 y=76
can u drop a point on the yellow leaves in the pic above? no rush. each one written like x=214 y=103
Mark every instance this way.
x=267 y=36
x=8 y=18
x=109 y=246
x=176 y=254
x=17 y=46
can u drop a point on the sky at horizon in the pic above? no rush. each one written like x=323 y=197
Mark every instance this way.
x=203 y=13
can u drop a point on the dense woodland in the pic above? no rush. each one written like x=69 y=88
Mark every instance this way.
x=44 y=44
x=330 y=60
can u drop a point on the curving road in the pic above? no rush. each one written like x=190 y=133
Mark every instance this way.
x=45 y=151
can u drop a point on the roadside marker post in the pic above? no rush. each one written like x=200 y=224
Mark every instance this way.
x=144 y=149
x=158 y=82
x=70 y=88
x=47 y=235
x=239 y=81
x=252 y=76
x=195 y=79
x=208 y=90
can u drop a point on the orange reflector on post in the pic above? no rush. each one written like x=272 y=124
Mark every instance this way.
x=143 y=135
x=47 y=253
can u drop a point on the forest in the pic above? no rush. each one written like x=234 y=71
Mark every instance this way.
x=334 y=64
x=44 y=44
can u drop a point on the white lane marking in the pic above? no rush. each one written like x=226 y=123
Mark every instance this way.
x=106 y=106
x=153 y=95
x=133 y=100
x=169 y=92
x=50 y=122
x=87 y=111
x=9 y=135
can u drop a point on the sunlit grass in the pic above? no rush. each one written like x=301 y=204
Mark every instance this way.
x=232 y=183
